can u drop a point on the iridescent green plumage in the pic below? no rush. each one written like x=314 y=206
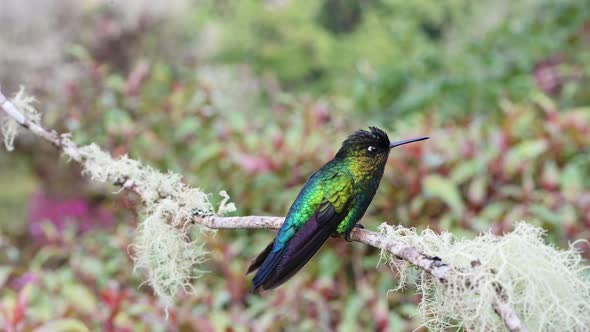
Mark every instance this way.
x=331 y=202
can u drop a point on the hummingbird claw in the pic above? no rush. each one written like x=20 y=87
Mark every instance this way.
x=347 y=234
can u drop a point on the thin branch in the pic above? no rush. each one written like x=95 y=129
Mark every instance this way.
x=432 y=265
x=61 y=142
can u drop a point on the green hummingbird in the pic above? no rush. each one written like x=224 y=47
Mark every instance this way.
x=331 y=202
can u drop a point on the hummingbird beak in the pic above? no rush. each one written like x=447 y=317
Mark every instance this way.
x=398 y=143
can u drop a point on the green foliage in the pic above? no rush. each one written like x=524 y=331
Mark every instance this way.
x=398 y=57
x=196 y=94
x=482 y=51
x=295 y=42
x=480 y=173
x=468 y=178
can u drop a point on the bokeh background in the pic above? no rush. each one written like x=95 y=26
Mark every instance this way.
x=251 y=97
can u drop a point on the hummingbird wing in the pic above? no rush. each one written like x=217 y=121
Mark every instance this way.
x=285 y=256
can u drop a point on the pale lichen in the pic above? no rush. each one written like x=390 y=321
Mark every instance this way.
x=168 y=247
x=9 y=127
x=548 y=288
x=170 y=255
x=225 y=206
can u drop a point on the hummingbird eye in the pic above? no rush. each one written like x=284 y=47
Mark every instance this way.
x=372 y=149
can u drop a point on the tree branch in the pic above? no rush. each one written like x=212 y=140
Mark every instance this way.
x=432 y=265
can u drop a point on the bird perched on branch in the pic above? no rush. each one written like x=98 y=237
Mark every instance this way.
x=331 y=202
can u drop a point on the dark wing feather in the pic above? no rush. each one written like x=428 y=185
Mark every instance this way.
x=304 y=244
x=260 y=259
x=266 y=269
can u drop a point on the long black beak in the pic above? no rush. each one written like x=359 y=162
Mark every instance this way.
x=398 y=143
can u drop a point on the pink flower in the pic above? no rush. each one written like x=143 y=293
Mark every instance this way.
x=60 y=212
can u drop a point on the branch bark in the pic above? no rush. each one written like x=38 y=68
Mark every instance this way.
x=432 y=265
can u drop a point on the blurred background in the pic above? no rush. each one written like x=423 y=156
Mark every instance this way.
x=253 y=96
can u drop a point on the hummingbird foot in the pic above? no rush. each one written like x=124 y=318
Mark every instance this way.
x=347 y=234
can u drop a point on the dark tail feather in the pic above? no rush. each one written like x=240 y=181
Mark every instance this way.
x=261 y=257
x=279 y=266
x=300 y=250
x=271 y=260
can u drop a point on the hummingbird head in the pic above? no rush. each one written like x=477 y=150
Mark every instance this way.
x=371 y=146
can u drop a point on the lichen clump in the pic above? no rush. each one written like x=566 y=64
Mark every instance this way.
x=8 y=126
x=548 y=288
x=168 y=246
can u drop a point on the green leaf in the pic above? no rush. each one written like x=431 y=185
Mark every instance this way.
x=187 y=127
x=493 y=211
x=477 y=190
x=117 y=121
x=446 y=190
x=465 y=170
x=524 y=151
x=79 y=52
x=329 y=264
x=353 y=306
x=544 y=214
x=62 y=325
x=396 y=322
x=79 y=297
x=4 y=274
x=571 y=181
x=115 y=82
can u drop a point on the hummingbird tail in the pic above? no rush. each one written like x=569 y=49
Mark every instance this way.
x=281 y=265
x=266 y=268
x=260 y=259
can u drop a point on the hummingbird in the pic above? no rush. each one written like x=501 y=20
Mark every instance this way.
x=331 y=202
